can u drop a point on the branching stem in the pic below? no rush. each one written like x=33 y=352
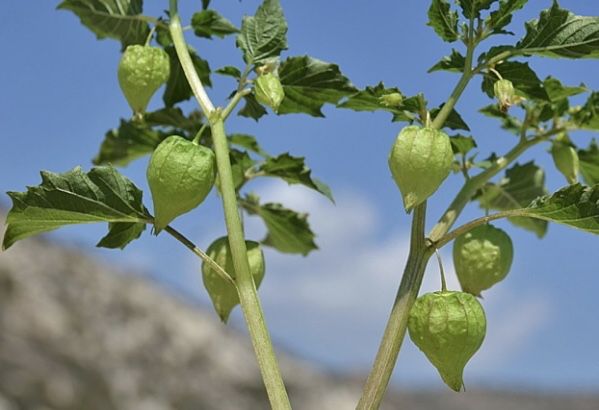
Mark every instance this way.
x=248 y=297
x=200 y=253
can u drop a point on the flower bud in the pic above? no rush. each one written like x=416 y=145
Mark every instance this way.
x=391 y=100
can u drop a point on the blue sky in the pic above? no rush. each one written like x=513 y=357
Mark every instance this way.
x=60 y=95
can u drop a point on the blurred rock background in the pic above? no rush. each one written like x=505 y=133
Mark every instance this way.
x=76 y=334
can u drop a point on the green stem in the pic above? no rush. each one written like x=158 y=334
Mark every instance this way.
x=478 y=181
x=234 y=101
x=248 y=296
x=149 y=37
x=378 y=379
x=379 y=376
x=200 y=253
x=441 y=270
x=188 y=68
x=467 y=75
x=474 y=223
x=198 y=136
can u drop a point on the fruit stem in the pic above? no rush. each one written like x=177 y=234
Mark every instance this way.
x=200 y=253
x=234 y=101
x=198 y=136
x=248 y=297
x=478 y=222
x=441 y=270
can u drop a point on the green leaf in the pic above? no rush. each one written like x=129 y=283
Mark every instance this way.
x=560 y=33
x=229 y=71
x=248 y=142
x=118 y=19
x=521 y=75
x=589 y=163
x=120 y=234
x=309 y=84
x=461 y=144
x=177 y=87
x=587 y=116
x=576 y=206
x=521 y=185
x=252 y=108
x=130 y=141
x=372 y=98
x=293 y=170
x=503 y=16
x=369 y=99
x=207 y=23
x=472 y=8
x=264 y=35
x=454 y=120
x=102 y=195
x=443 y=20
x=288 y=231
x=454 y=62
x=411 y=108
x=557 y=92
x=508 y=122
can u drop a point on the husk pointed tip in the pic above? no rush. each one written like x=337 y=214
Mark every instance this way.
x=454 y=381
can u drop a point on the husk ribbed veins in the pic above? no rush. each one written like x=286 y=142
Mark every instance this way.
x=482 y=257
x=449 y=327
x=180 y=175
x=222 y=293
x=419 y=161
x=142 y=70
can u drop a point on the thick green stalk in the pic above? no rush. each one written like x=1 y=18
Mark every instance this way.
x=379 y=376
x=384 y=363
x=246 y=288
x=248 y=297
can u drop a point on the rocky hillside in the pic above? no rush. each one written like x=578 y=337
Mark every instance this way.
x=76 y=334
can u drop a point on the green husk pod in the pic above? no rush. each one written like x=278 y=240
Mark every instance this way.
x=566 y=159
x=269 y=91
x=142 y=70
x=482 y=257
x=181 y=173
x=222 y=293
x=448 y=327
x=506 y=94
x=420 y=160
